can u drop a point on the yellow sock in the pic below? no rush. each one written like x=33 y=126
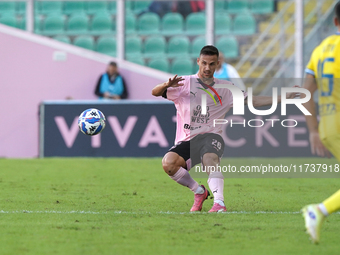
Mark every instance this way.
x=332 y=203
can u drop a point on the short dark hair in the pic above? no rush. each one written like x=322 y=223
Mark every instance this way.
x=113 y=64
x=209 y=50
x=337 y=11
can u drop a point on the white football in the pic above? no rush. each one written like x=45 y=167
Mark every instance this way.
x=91 y=122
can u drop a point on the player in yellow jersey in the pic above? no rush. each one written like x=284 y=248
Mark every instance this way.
x=323 y=73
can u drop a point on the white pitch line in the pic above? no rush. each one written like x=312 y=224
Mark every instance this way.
x=139 y=213
x=124 y=212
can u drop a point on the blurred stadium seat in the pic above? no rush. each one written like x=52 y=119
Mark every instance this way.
x=172 y=24
x=101 y=24
x=196 y=46
x=161 y=64
x=154 y=46
x=222 y=23
x=140 y=6
x=148 y=23
x=94 y=7
x=53 y=25
x=178 y=46
x=7 y=7
x=237 y=6
x=21 y=7
x=84 y=41
x=133 y=46
x=76 y=7
x=9 y=20
x=228 y=45
x=106 y=45
x=78 y=24
x=130 y=23
x=62 y=38
x=219 y=5
x=195 y=24
x=182 y=66
x=48 y=7
x=262 y=6
x=244 y=24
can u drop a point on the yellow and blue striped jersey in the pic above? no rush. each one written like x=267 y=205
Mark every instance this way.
x=324 y=65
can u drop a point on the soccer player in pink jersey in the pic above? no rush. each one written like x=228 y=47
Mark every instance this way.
x=198 y=140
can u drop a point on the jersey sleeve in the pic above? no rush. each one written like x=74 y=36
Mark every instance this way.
x=311 y=68
x=173 y=93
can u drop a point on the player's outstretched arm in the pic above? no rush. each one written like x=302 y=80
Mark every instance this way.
x=267 y=100
x=312 y=123
x=172 y=82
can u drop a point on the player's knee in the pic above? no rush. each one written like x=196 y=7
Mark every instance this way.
x=169 y=165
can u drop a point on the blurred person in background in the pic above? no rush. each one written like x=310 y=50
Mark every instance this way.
x=187 y=7
x=161 y=7
x=228 y=72
x=182 y=7
x=111 y=84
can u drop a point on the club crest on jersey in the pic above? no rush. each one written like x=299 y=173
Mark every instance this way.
x=215 y=97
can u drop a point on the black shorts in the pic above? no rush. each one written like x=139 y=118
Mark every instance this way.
x=192 y=151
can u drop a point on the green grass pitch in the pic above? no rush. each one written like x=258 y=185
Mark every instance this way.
x=130 y=206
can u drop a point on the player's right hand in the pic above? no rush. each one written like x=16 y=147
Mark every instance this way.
x=174 y=82
x=317 y=147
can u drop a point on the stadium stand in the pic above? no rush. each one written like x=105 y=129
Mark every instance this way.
x=78 y=24
x=178 y=46
x=220 y=6
x=48 y=7
x=37 y=24
x=75 y=7
x=9 y=20
x=130 y=23
x=133 y=46
x=113 y=7
x=106 y=45
x=182 y=66
x=237 y=6
x=172 y=24
x=228 y=45
x=244 y=24
x=7 y=7
x=161 y=64
x=72 y=21
x=21 y=8
x=137 y=59
x=140 y=6
x=94 y=7
x=53 y=25
x=196 y=46
x=154 y=46
x=62 y=38
x=222 y=23
x=84 y=41
x=148 y=23
x=262 y=6
x=102 y=23
x=195 y=24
